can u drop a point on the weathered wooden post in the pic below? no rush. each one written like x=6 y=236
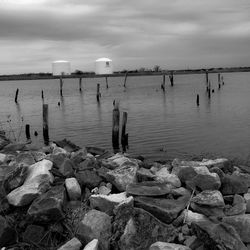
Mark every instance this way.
x=27 y=131
x=42 y=95
x=98 y=92
x=163 y=82
x=219 y=86
x=115 y=127
x=107 y=84
x=80 y=84
x=45 y=124
x=124 y=136
x=125 y=80
x=198 y=100
x=219 y=79
x=206 y=77
x=222 y=80
x=16 y=96
x=61 y=86
x=209 y=90
x=171 y=78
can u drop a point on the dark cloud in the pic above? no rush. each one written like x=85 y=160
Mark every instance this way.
x=133 y=33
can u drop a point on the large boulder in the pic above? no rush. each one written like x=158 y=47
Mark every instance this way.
x=241 y=223
x=36 y=183
x=88 y=178
x=49 y=206
x=167 y=246
x=233 y=184
x=95 y=225
x=73 y=189
x=7 y=233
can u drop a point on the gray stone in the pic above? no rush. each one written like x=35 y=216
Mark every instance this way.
x=73 y=244
x=67 y=168
x=232 y=184
x=167 y=246
x=25 y=158
x=88 y=178
x=7 y=233
x=33 y=233
x=92 y=245
x=211 y=198
x=144 y=174
x=239 y=206
x=73 y=189
x=247 y=199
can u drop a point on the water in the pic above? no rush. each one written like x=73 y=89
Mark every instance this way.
x=155 y=120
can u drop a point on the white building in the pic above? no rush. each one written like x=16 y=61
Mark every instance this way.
x=103 y=66
x=61 y=68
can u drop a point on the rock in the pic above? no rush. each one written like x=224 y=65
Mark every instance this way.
x=7 y=233
x=88 y=164
x=244 y=169
x=239 y=206
x=67 y=145
x=67 y=168
x=33 y=233
x=58 y=150
x=104 y=190
x=57 y=160
x=79 y=156
x=88 y=178
x=73 y=244
x=3 y=157
x=107 y=203
x=73 y=189
x=243 y=177
x=25 y=158
x=3 y=140
x=48 y=207
x=125 y=174
x=148 y=229
x=247 y=199
x=144 y=174
x=218 y=171
x=95 y=225
x=241 y=223
x=92 y=245
x=232 y=184
x=38 y=155
x=36 y=183
x=164 y=176
x=12 y=148
x=212 y=198
x=221 y=163
x=167 y=246
x=149 y=188
x=166 y=210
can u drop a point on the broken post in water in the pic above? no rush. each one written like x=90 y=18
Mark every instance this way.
x=219 y=79
x=45 y=124
x=107 y=84
x=206 y=77
x=80 y=84
x=61 y=85
x=198 y=100
x=42 y=95
x=125 y=80
x=98 y=92
x=209 y=90
x=163 y=82
x=115 y=127
x=27 y=132
x=16 y=96
x=171 y=78
x=124 y=136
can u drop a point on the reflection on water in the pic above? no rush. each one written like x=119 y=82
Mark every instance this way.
x=156 y=119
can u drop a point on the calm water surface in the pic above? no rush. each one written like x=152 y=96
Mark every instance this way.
x=156 y=120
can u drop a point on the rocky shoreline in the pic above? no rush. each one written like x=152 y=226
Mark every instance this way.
x=65 y=197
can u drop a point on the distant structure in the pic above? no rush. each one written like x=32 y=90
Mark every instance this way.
x=103 y=66
x=61 y=68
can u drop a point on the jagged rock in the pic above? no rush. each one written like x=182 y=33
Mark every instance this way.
x=106 y=203
x=14 y=147
x=25 y=158
x=92 y=245
x=7 y=233
x=3 y=157
x=148 y=229
x=144 y=174
x=247 y=199
x=95 y=225
x=192 y=217
x=38 y=155
x=167 y=246
x=57 y=160
x=33 y=233
x=88 y=178
x=88 y=164
x=164 y=176
x=243 y=177
x=79 y=156
x=218 y=171
x=232 y=184
x=124 y=175
x=5 y=170
x=48 y=207
x=104 y=190
x=58 y=150
x=244 y=169
x=73 y=189
x=241 y=223
x=165 y=210
x=67 y=168
x=36 y=183
x=149 y=188
x=239 y=206
x=73 y=244
x=67 y=145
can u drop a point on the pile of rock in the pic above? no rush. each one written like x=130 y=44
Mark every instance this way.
x=63 y=197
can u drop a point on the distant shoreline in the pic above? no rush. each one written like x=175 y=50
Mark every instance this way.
x=39 y=76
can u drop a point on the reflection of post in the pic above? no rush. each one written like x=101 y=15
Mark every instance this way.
x=206 y=77
x=98 y=92
x=171 y=78
x=80 y=84
x=27 y=132
x=219 y=78
x=45 y=124
x=124 y=136
x=198 y=100
x=209 y=90
x=16 y=96
x=115 y=127
x=61 y=85
x=125 y=80
x=163 y=82
x=107 y=84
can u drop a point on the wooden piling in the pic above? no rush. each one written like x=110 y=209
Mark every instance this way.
x=207 y=78
x=98 y=92
x=171 y=78
x=163 y=82
x=107 y=84
x=124 y=136
x=209 y=90
x=45 y=124
x=198 y=100
x=80 y=84
x=219 y=79
x=27 y=132
x=16 y=96
x=125 y=80
x=42 y=95
x=61 y=86
x=115 y=127
x=219 y=86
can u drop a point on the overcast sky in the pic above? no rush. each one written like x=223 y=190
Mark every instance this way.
x=174 y=34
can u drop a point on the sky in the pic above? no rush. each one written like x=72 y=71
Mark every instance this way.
x=174 y=34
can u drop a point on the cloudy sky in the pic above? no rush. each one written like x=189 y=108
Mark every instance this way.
x=174 y=34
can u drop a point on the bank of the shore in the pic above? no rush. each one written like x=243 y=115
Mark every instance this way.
x=65 y=197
